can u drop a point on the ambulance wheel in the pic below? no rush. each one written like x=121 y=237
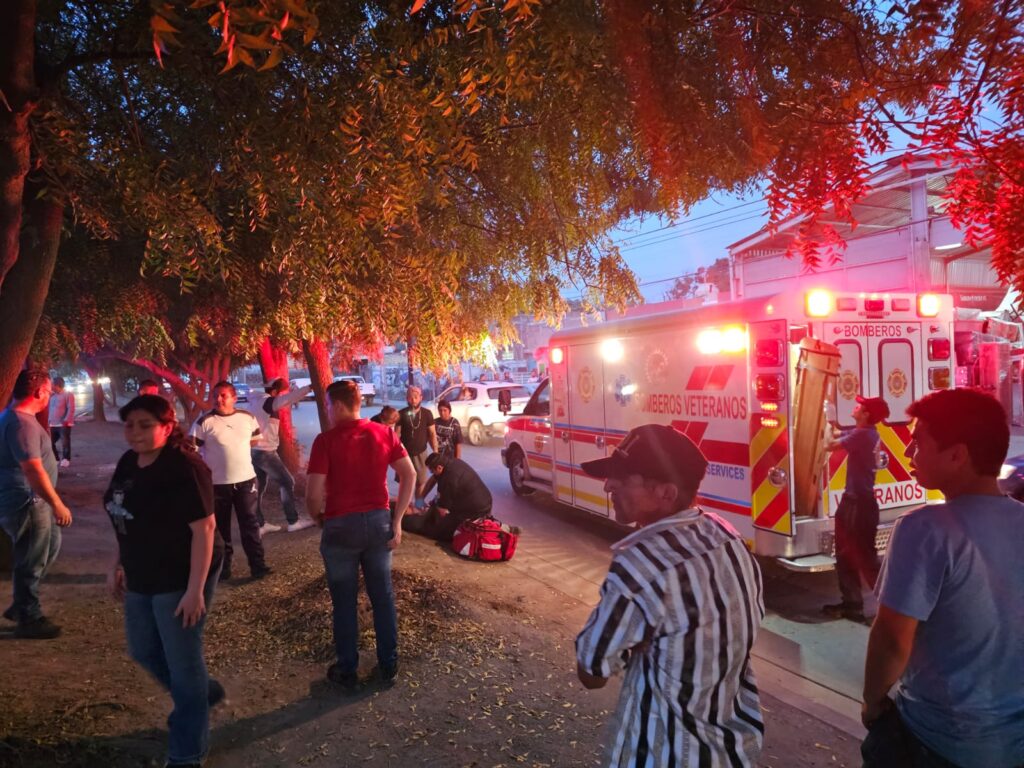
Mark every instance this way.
x=476 y=432
x=517 y=473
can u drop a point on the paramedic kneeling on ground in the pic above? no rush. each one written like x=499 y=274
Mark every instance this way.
x=461 y=496
x=950 y=622
x=679 y=610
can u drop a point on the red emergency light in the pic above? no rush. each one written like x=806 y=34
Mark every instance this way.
x=770 y=387
x=556 y=355
x=938 y=349
x=768 y=353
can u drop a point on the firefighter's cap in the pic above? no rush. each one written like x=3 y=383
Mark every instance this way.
x=655 y=452
x=877 y=408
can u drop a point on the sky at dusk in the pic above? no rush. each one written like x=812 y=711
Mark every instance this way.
x=659 y=250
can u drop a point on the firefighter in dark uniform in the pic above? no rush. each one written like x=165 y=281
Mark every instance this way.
x=857 y=515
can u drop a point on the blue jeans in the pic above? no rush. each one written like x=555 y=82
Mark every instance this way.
x=174 y=656
x=268 y=466
x=348 y=542
x=36 y=538
x=64 y=435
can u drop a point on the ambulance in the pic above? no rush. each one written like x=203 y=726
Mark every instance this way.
x=759 y=384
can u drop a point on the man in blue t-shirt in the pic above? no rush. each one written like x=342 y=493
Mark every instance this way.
x=31 y=512
x=950 y=626
x=857 y=514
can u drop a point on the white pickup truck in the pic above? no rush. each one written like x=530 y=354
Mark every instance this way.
x=366 y=388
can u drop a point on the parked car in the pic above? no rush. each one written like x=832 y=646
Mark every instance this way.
x=475 y=405
x=242 y=390
x=302 y=382
x=366 y=388
x=1011 y=478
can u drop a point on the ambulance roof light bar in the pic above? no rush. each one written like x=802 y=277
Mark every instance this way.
x=818 y=303
x=928 y=305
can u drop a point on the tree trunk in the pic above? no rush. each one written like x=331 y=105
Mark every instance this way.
x=318 y=361
x=116 y=383
x=18 y=86
x=24 y=289
x=274 y=365
x=98 y=412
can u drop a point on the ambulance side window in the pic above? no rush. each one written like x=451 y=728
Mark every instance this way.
x=897 y=382
x=540 y=403
x=850 y=382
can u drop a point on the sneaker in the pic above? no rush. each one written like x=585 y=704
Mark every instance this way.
x=65 y=463
x=387 y=673
x=37 y=629
x=268 y=528
x=9 y=613
x=348 y=681
x=844 y=611
x=299 y=525
x=259 y=573
x=215 y=693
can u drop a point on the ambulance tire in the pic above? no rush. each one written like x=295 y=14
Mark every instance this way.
x=517 y=473
x=475 y=433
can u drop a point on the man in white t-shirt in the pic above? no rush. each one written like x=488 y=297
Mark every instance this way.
x=62 y=419
x=266 y=406
x=225 y=437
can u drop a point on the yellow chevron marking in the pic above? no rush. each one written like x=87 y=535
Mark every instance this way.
x=784 y=525
x=764 y=439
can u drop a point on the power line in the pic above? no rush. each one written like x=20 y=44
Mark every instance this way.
x=688 y=220
x=706 y=228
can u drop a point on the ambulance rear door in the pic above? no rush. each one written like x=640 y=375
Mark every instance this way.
x=879 y=359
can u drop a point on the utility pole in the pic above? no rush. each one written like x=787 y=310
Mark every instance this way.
x=408 y=358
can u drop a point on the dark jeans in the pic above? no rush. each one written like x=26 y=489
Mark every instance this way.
x=174 y=656
x=268 y=466
x=241 y=496
x=428 y=523
x=856 y=556
x=348 y=543
x=64 y=435
x=890 y=744
x=36 y=538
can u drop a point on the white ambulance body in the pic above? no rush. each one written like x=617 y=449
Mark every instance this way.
x=729 y=376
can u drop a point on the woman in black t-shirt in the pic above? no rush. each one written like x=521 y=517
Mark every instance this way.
x=160 y=502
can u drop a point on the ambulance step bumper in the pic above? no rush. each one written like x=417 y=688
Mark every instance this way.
x=808 y=564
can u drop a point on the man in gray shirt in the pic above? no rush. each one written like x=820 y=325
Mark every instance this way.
x=31 y=512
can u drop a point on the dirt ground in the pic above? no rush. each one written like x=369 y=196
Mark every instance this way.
x=487 y=673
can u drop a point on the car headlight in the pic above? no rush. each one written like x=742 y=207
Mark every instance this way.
x=1006 y=471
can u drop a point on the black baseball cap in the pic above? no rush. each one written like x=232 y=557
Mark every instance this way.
x=876 y=407
x=655 y=452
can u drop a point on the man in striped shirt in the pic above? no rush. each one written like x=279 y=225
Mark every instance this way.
x=679 y=612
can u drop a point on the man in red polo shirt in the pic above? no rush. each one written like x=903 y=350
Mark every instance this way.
x=347 y=494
